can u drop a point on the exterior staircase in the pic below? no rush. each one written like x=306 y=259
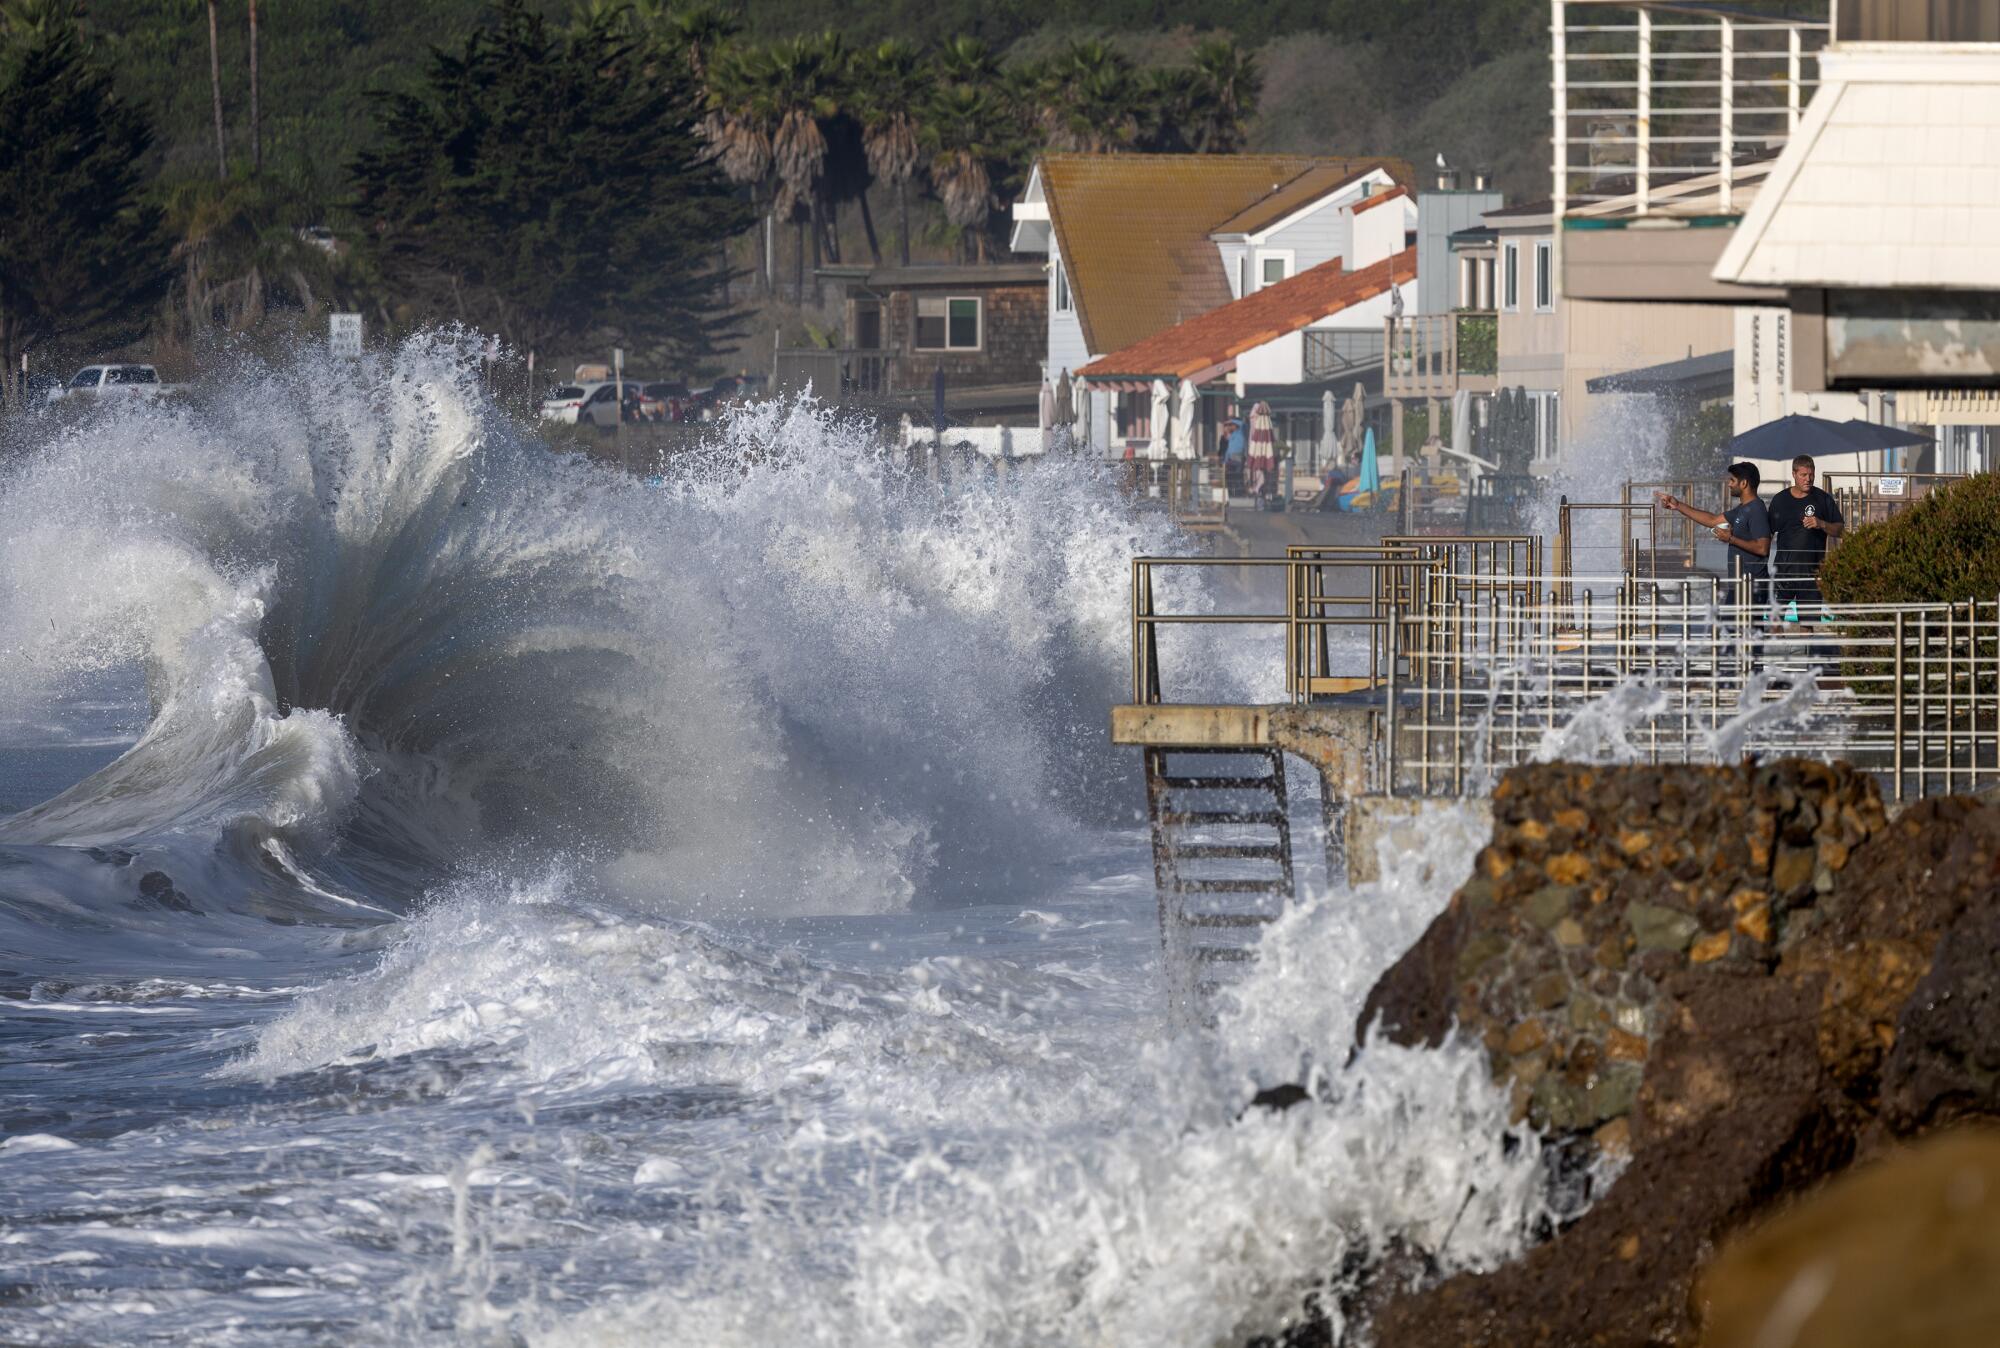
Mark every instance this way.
x=1222 y=860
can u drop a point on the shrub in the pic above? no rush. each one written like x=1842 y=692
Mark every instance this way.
x=1945 y=547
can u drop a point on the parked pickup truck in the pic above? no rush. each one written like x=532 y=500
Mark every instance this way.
x=100 y=380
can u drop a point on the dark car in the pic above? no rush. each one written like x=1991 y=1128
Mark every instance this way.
x=664 y=400
x=731 y=388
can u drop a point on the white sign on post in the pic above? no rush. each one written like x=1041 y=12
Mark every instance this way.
x=1889 y=486
x=343 y=333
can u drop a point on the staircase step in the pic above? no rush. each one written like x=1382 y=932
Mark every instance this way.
x=1183 y=818
x=1220 y=783
x=1226 y=919
x=1277 y=886
x=1219 y=851
x=1225 y=954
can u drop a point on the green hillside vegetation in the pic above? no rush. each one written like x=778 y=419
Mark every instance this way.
x=887 y=131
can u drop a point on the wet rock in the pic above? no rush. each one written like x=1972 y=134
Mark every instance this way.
x=1279 y=1098
x=1905 y=1251
x=1716 y=1136
x=156 y=890
x=1783 y=982
x=1945 y=1062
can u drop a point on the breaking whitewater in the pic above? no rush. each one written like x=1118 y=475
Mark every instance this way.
x=454 y=893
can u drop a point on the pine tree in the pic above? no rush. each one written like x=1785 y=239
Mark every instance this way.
x=536 y=187
x=83 y=261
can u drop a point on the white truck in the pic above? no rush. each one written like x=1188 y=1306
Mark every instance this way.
x=112 y=380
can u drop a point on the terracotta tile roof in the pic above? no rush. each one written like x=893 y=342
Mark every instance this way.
x=1301 y=191
x=1134 y=230
x=1370 y=203
x=1215 y=338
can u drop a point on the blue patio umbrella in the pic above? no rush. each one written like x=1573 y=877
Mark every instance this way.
x=1371 y=474
x=1789 y=437
x=1874 y=435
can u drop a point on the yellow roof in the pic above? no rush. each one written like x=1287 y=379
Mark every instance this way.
x=1133 y=229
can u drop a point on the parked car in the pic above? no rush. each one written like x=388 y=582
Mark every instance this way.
x=731 y=388
x=664 y=400
x=99 y=380
x=593 y=403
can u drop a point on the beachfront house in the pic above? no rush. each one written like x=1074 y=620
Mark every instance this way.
x=1138 y=244
x=1877 y=236
x=1826 y=191
x=1297 y=342
x=983 y=326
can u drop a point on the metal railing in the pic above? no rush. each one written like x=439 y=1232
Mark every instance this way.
x=1476 y=664
x=1692 y=671
x=1870 y=498
x=1661 y=105
x=1331 y=353
x=836 y=374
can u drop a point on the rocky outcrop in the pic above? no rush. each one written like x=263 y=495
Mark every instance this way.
x=1906 y=1251
x=1738 y=978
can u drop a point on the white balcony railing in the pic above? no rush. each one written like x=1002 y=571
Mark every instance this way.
x=1660 y=108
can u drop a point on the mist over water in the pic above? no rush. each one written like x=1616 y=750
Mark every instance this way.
x=479 y=893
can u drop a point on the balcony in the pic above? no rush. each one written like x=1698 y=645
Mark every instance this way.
x=1667 y=119
x=1340 y=353
x=837 y=374
x=1436 y=355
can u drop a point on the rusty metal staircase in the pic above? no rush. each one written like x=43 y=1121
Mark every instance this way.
x=1222 y=858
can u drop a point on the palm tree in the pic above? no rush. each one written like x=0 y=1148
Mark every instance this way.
x=1085 y=98
x=808 y=75
x=961 y=130
x=1225 y=99
x=700 y=30
x=890 y=83
x=967 y=60
x=739 y=101
x=1165 y=98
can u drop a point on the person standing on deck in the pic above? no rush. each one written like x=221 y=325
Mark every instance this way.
x=1745 y=525
x=1803 y=518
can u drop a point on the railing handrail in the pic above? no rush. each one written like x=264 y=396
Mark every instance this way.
x=1488 y=661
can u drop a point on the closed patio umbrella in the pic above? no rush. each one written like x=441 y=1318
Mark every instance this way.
x=1184 y=413
x=1156 y=448
x=1329 y=431
x=1066 y=411
x=1081 y=417
x=1046 y=415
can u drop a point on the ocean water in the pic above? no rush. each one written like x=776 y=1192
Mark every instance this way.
x=451 y=893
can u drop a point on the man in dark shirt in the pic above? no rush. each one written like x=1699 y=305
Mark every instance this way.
x=1743 y=525
x=1803 y=518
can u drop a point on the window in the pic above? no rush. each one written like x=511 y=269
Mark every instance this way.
x=1548 y=425
x=1135 y=416
x=1510 y=277
x=1274 y=266
x=85 y=378
x=1062 y=303
x=947 y=324
x=1545 y=278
